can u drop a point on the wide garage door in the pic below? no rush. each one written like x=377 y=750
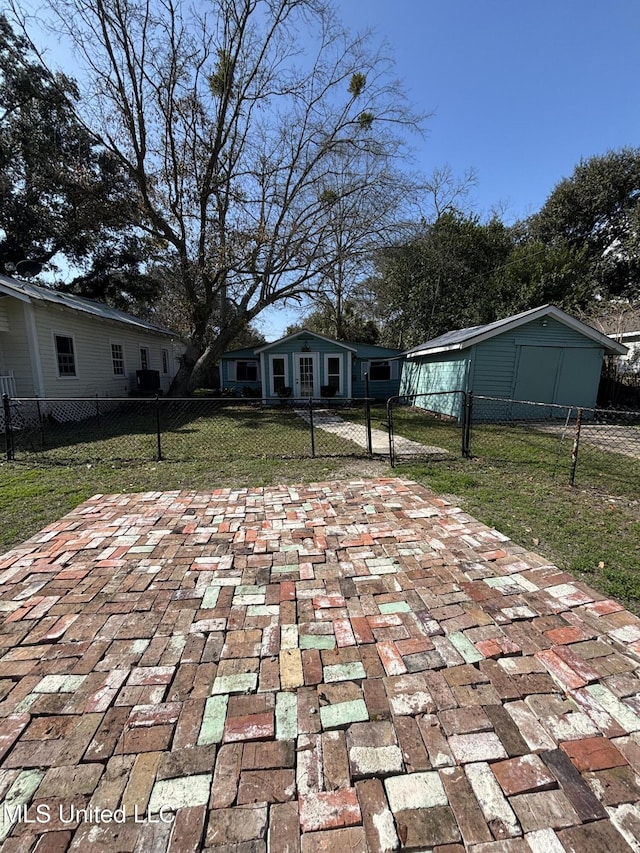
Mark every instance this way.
x=564 y=375
x=537 y=374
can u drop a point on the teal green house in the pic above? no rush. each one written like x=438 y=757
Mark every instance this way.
x=543 y=355
x=306 y=364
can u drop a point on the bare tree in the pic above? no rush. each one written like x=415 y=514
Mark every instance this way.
x=446 y=193
x=363 y=214
x=231 y=121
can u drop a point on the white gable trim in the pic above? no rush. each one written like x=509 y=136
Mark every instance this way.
x=304 y=333
x=523 y=319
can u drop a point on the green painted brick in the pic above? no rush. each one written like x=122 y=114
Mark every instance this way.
x=215 y=711
x=394 y=607
x=241 y=683
x=286 y=716
x=344 y=672
x=263 y=610
x=210 y=597
x=465 y=647
x=317 y=641
x=343 y=713
x=19 y=794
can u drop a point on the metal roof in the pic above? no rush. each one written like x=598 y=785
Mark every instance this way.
x=463 y=338
x=26 y=291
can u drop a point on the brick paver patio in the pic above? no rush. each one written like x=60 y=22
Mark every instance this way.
x=337 y=667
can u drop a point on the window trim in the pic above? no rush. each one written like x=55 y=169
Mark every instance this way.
x=252 y=361
x=122 y=375
x=148 y=352
x=285 y=359
x=340 y=358
x=164 y=359
x=388 y=363
x=71 y=337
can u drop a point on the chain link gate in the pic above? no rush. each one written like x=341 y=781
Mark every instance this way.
x=431 y=426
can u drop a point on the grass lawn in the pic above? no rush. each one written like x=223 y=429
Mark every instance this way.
x=516 y=482
x=190 y=430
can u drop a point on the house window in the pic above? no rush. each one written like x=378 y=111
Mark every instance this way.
x=333 y=372
x=380 y=371
x=66 y=355
x=117 y=359
x=246 y=371
x=144 y=358
x=278 y=373
x=165 y=361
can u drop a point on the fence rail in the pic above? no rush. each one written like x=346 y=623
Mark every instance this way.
x=111 y=429
x=570 y=441
x=578 y=445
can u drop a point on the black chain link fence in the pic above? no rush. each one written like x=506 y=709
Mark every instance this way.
x=581 y=446
x=578 y=445
x=571 y=442
x=87 y=430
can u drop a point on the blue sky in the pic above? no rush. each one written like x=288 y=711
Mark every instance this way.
x=521 y=90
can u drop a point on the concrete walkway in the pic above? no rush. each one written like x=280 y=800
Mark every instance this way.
x=331 y=421
x=337 y=667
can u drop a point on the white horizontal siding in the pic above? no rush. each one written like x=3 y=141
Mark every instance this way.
x=92 y=344
x=14 y=350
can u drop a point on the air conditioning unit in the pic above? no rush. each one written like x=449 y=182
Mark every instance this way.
x=148 y=381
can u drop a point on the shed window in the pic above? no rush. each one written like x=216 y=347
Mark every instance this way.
x=117 y=359
x=246 y=371
x=65 y=355
x=144 y=358
x=380 y=371
x=165 y=361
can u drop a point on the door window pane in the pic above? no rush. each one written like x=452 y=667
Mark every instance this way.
x=306 y=376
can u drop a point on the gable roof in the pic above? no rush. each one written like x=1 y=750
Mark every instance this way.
x=27 y=292
x=307 y=334
x=464 y=338
x=242 y=352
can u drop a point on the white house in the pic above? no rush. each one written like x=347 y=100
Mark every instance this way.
x=55 y=345
x=629 y=363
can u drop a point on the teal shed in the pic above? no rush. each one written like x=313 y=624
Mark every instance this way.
x=543 y=355
x=308 y=364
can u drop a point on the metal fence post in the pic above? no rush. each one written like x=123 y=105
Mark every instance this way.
x=8 y=433
x=312 y=429
x=392 y=461
x=367 y=414
x=574 y=451
x=158 y=428
x=41 y=422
